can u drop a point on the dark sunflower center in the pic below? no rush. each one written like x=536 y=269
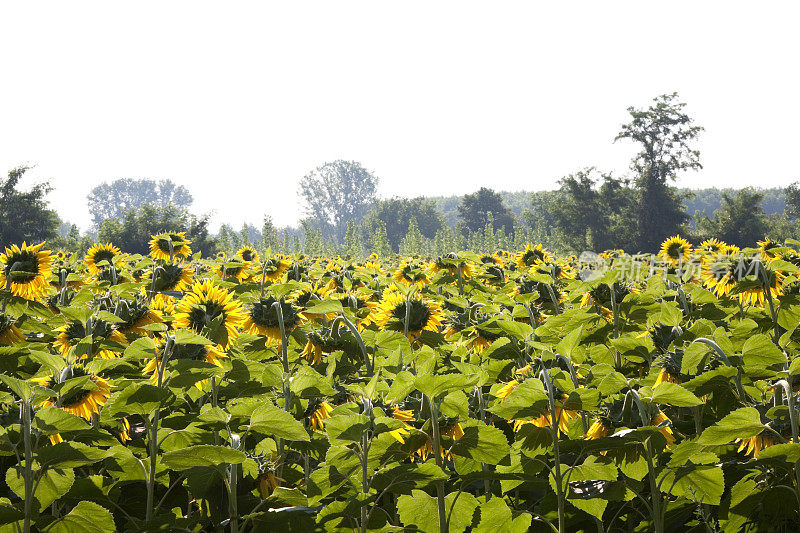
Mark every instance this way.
x=204 y=313
x=418 y=316
x=248 y=255
x=265 y=315
x=22 y=267
x=103 y=255
x=326 y=342
x=168 y=278
x=675 y=249
x=177 y=243
x=195 y=352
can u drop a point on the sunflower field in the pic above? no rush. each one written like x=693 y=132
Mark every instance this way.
x=510 y=392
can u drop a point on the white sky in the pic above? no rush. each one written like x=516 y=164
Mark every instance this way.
x=238 y=100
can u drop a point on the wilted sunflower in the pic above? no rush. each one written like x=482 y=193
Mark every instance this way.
x=195 y=352
x=9 y=332
x=26 y=269
x=99 y=253
x=81 y=401
x=675 y=251
x=410 y=273
x=206 y=302
x=262 y=319
x=160 y=248
x=321 y=413
x=70 y=334
x=423 y=314
x=754 y=445
x=534 y=255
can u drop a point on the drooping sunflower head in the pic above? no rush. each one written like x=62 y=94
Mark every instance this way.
x=235 y=268
x=248 y=254
x=262 y=319
x=136 y=314
x=166 y=246
x=101 y=256
x=534 y=255
x=321 y=341
x=318 y=412
x=768 y=251
x=670 y=369
x=25 y=269
x=423 y=314
x=9 y=332
x=602 y=427
x=274 y=268
x=675 y=251
x=206 y=303
x=170 y=281
x=210 y=353
x=664 y=424
x=411 y=273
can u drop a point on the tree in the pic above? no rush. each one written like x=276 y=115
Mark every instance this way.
x=396 y=214
x=112 y=200
x=664 y=132
x=593 y=217
x=740 y=220
x=474 y=211
x=793 y=200
x=336 y=193
x=133 y=230
x=24 y=216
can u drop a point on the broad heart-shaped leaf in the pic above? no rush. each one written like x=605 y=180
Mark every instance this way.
x=185 y=336
x=419 y=509
x=344 y=429
x=698 y=483
x=138 y=399
x=202 y=455
x=528 y=399
x=759 y=351
x=21 y=388
x=405 y=477
x=86 y=517
x=673 y=394
x=52 y=420
x=69 y=455
x=54 y=484
x=308 y=383
x=143 y=348
x=496 y=517
x=435 y=385
x=582 y=399
x=670 y=315
x=187 y=372
x=740 y=424
x=482 y=443
x=271 y=420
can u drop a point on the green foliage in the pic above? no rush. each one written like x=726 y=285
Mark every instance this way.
x=25 y=216
x=477 y=209
x=740 y=220
x=396 y=214
x=113 y=200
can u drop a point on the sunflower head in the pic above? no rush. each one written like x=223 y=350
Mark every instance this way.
x=101 y=256
x=86 y=397
x=135 y=315
x=675 y=251
x=262 y=319
x=104 y=337
x=9 y=332
x=211 y=308
x=168 y=246
x=248 y=254
x=423 y=314
x=711 y=247
x=534 y=255
x=25 y=269
x=411 y=273
x=235 y=268
x=321 y=341
x=768 y=249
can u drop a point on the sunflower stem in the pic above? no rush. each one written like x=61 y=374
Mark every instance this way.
x=28 y=471
x=287 y=391
x=357 y=335
x=154 y=432
x=554 y=422
x=437 y=453
x=655 y=495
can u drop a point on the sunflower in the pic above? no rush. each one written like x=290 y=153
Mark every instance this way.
x=9 y=332
x=267 y=483
x=754 y=445
x=170 y=278
x=233 y=268
x=319 y=342
x=135 y=315
x=85 y=400
x=556 y=270
x=675 y=251
x=98 y=254
x=712 y=247
x=196 y=352
x=767 y=249
x=767 y=280
x=663 y=423
x=600 y=428
x=275 y=268
x=410 y=273
x=205 y=303
x=71 y=333
x=169 y=246
x=423 y=315
x=248 y=254
x=506 y=389
x=448 y=429
x=719 y=276
x=25 y=269
x=405 y=416
x=360 y=307
x=563 y=418
x=534 y=255
x=262 y=319
x=465 y=269
x=320 y=414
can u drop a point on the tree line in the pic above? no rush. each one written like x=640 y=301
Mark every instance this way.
x=591 y=210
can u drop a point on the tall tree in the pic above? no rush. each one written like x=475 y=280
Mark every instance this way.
x=25 y=216
x=665 y=133
x=596 y=211
x=112 y=200
x=336 y=193
x=474 y=210
x=132 y=231
x=793 y=200
x=740 y=220
x=396 y=214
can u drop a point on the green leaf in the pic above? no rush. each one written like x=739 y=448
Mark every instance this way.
x=759 y=351
x=271 y=420
x=698 y=483
x=742 y=423
x=139 y=399
x=482 y=443
x=612 y=383
x=202 y=455
x=308 y=383
x=401 y=387
x=673 y=394
x=527 y=400
x=670 y=314
x=52 y=420
x=86 y=517
x=69 y=455
x=419 y=509
x=55 y=482
x=496 y=517
x=435 y=385
x=21 y=388
x=345 y=429
x=184 y=336
x=324 y=307
x=143 y=348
